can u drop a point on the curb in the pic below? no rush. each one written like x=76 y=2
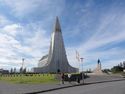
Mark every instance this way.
x=74 y=86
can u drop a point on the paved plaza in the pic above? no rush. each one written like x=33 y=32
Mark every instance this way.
x=9 y=88
x=117 y=87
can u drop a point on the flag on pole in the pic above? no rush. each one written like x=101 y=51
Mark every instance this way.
x=77 y=56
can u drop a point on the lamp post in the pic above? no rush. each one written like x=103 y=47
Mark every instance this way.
x=82 y=69
x=22 y=64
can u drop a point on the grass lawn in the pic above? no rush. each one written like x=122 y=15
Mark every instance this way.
x=30 y=79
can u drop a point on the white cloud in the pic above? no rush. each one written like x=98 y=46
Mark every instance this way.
x=11 y=29
x=34 y=40
x=108 y=58
x=28 y=7
x=12 y=50
x=111 y=63
x=3 y=20
x=22 y=6
x=110 y=31
x=6 y=49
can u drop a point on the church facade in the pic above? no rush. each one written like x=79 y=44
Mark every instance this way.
x=56 y=60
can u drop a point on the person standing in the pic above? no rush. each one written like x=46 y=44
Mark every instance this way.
x=69 y=77
x=62 y=77
x=78 y=79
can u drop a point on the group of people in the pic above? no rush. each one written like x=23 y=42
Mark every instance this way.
x=69 y=78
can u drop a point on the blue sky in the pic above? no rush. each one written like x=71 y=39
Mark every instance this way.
x=95 y=28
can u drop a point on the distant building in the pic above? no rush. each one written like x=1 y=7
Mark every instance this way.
x=56 y=60
x=2 y=71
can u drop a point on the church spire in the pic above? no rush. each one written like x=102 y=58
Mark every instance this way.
x=57 y=27
x=56 y=61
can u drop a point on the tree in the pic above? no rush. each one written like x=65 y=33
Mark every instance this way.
x=24 y=70
x=106 y=70
x=21 y=69
x=121 y=65
x=124 y=64
x=11 y=70
x=14 y=70
x=117 y=69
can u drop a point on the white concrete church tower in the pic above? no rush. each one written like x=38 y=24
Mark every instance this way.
x=56 y=60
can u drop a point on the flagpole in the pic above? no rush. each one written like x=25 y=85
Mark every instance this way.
x=82 y=69
x=78 y=58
